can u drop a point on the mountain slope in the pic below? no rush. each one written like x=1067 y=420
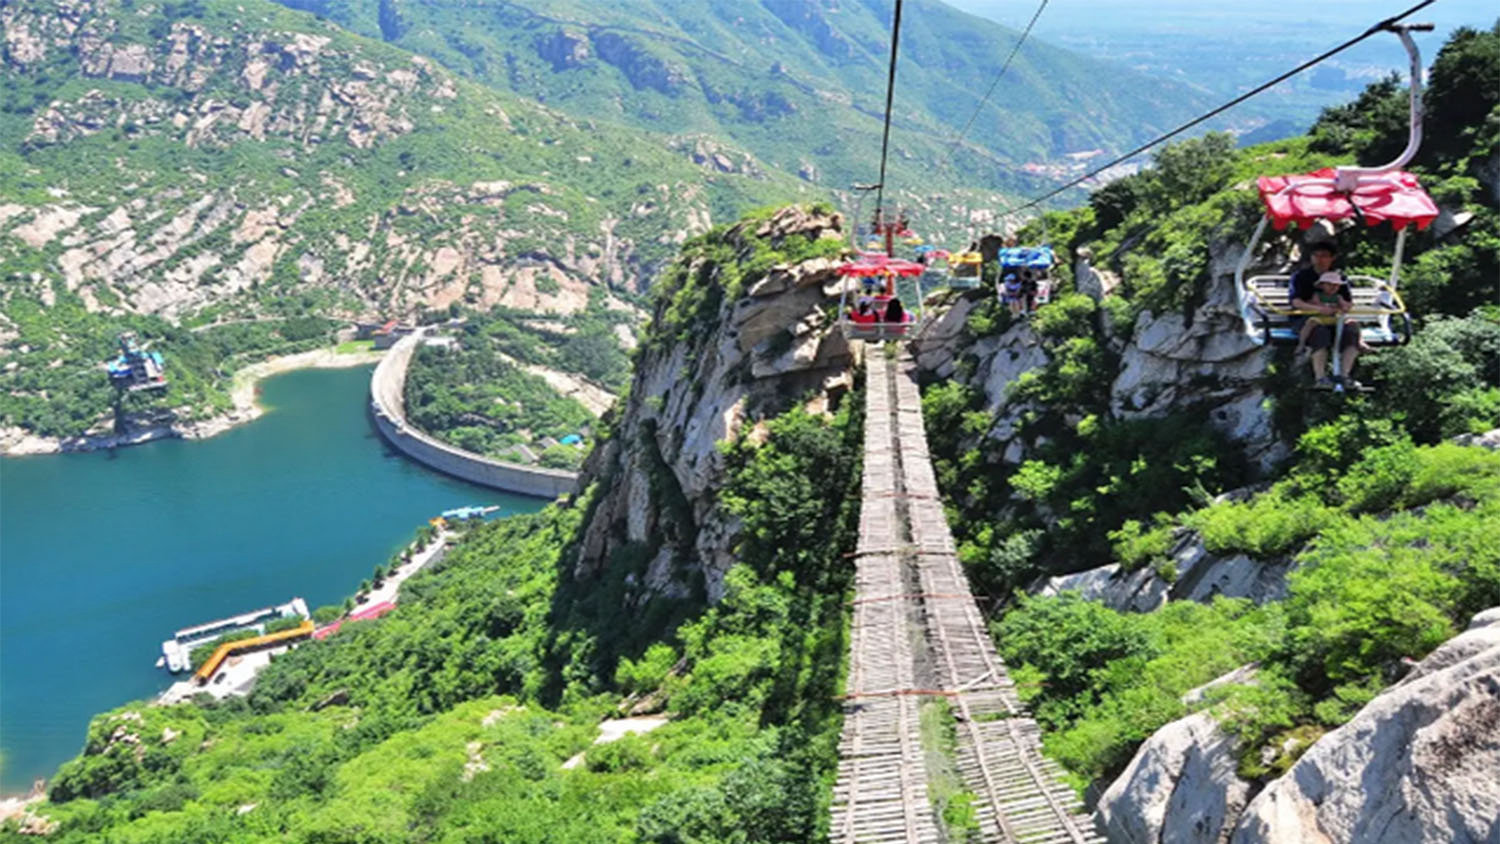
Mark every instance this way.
x=801 y=83
x=1199 y=515
x=429 y=723
x=215 y=160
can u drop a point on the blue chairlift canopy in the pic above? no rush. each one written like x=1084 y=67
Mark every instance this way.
x=1027 y=257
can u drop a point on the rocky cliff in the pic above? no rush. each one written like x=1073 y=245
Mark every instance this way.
x=175 y=158
x=1416 y=764
x=743 y=330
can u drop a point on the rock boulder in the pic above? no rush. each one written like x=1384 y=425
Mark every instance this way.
x=1181 y=788
x=1419 y=764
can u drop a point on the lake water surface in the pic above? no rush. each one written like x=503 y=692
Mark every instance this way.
x=103 y=555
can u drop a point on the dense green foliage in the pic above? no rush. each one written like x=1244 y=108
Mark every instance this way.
x=392 y=730
x=60 y=387
x=480 y=398
x=1389 y=530
x=474 y=399
x=1158 y=230
x=1394 y=554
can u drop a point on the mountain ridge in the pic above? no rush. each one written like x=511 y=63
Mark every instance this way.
x=819 y=61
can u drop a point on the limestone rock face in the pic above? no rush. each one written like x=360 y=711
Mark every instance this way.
x=1200 y=577
x=1173 y=362
x=1181 y=788
x=935 y=348
x=1418 y=764
x=634 y=59
x=754 y=357
x=564 y=49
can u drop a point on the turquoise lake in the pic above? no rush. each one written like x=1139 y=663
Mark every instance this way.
x=103 y=555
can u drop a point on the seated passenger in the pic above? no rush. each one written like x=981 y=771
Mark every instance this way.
x=1309 y=287
x=863 y=313
x=894 y=312
x=1028 y=290
x=1011 y=293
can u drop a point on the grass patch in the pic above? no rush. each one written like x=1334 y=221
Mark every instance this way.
x=353 y=347
x=951 y=802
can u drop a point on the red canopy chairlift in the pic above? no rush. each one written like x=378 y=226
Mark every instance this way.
x=870 y=266
x=1372 y=195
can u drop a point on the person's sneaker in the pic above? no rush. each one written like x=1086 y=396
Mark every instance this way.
x=1324 y=383
x=1352 y=384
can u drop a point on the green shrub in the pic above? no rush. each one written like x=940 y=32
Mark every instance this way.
x=1071 y=638
x=629 y=753
x=647 y=673
x=1135 y=546
x=1268 y=525
x=280 y=624
x=1378 y=480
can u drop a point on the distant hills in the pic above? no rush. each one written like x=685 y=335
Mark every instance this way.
x=799 y=83
x=172 y=165
x=198 y=161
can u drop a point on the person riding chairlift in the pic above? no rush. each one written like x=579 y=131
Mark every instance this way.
x=894 y=312
x=863 y=313
x=1028 y=290
x=1012 y=293
x=1321 y=289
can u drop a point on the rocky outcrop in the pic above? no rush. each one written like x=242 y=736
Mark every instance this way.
x=1181 y=788
x=1200 y=360
x=1417 y=764
x=717 y=157
x=638 y=63
x=810 y=20
x=1196 y=575
x=747 y=358
x=564 y=49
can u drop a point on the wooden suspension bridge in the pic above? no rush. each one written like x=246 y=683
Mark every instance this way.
x=918 y=635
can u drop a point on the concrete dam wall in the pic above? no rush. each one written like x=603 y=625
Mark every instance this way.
x=388 y=407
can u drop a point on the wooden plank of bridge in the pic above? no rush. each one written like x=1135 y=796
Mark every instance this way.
x=912 y=601
x=881 y=790
x=1021 y=794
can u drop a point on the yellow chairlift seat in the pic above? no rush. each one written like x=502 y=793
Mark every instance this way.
x=968 y=262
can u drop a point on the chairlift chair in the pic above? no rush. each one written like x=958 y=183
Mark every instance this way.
x=966 y=262
x=888 y=269
x=1369 y=194
x=1037 y=260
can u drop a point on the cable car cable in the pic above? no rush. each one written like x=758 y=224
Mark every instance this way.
x=890 y=93
x=1377 y=28
x=983 y=101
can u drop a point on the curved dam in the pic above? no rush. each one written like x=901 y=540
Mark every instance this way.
x=388 y=408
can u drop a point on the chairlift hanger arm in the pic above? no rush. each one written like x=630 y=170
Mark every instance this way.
x=1348 y=178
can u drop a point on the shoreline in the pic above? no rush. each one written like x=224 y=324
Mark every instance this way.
x=18 y=442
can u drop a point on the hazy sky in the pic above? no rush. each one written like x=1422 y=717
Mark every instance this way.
x=1223 y=18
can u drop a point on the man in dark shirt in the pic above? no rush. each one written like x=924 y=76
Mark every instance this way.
x=1304 y=296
